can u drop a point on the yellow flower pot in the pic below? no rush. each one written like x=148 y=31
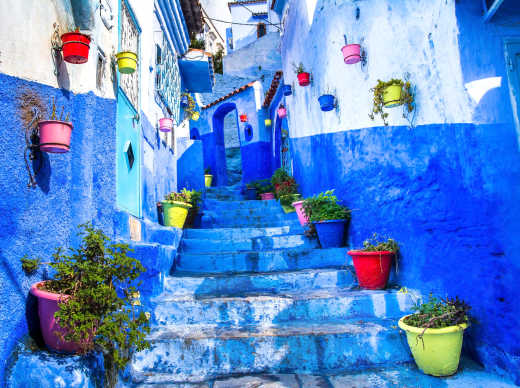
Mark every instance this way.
x=392 y=96
x=175 y=213
x=208 y=178
x=126 y=62
x=438 y=352
x=267 y=122
x=195 y=116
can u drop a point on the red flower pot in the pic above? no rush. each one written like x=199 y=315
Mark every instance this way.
x=304 y=79
x=372 y=268
x=55 y=136
x=267 y=196
x=243 y=118
x=75 y=47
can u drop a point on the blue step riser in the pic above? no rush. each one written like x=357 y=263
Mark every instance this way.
x=272 y=283
x=239 y=233
x=289 y=260
x=262 y=311
x=255 y=244
x=233 y=205
x=181 y=360
x=266 y=213
x=245 y=223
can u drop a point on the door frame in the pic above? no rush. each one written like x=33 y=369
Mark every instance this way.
x=511 y=48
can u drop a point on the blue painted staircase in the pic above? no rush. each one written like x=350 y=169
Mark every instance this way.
x=251 y=294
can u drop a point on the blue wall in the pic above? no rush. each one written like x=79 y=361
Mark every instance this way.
x=190 y=165
x=72 y=188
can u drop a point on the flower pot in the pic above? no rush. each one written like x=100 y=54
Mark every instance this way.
x=282 y=112
x=286 y=202
x=165 y=124
x=195 y=116
x=243 y=118
x=304 y=79
x=302 y=217
x=392 y=96
x=184 y=101
x=287 y=90
x=251 y=193
x=351 y=53
x=331 y=233
x=266 y=196
x=55 y=136
x=75 y=47
x=438 y=352
x=326 y=102
x=126 y=62
x=267 y=122
x=175 y=213
x=208 y=178
x=48 y=305
x=372 y=268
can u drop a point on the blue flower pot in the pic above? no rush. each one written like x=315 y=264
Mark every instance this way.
x=287 y=90
x=251 y=194
x=331 y=233
x=184 y=101
x=326 y=102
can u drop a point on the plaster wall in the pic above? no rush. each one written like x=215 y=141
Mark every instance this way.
x=445 y=190
x=26 y=52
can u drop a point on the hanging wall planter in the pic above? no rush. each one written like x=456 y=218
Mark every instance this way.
x=287 y=90
x=195 y=116
x=351 y=53
x=391 y=94
x=126 y=62
x=326 y=102
x=165 y=124
x=75 y=47
x=267 y=122
x=55 y=136
x=243 y=118
x=282 y=112
x=304 y=78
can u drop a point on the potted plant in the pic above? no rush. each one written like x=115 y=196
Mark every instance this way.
x=75 y=47
x=175 y=209
x=286 y=189
x=126 y=62
x=267 y=122
x=282 y=112
x=302 y=217
x=373 y=262
x=351 y=53
x=435 y=333
x=390 y=94
x=287 y=90
x=55 y=133
x=265 y=189
x=194 y=198
x=251 y=193
x=208 y=178
x=165 y=124
x=278 y=177
x=327 y=101
x=92 y=299
x=328 y=217
x=243 y=118
x=304 y=78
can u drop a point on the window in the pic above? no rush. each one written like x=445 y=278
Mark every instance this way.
x=260 y=30
x=100 y=69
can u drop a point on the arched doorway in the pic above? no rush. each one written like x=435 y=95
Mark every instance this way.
x=228 y=157
x=281 y=153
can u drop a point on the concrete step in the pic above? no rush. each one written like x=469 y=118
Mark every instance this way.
x=239 y=233
x=212 y=204
x=195 y=353
x=257 y=221
x=273 y=283
x=261 y=261
x=247 y=244
x=315 y=306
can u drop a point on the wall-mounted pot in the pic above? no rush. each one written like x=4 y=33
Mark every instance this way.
x=55 y=136
x=75 y=47
x=392 y=96
x=304 y=78
x=326 y=102
x=351 y=53
x=267 y=122
x=165 y=124
x=126 y=62
x=243 y=118
x=287 y=90
x=282 y=112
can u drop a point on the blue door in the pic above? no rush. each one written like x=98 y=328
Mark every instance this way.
x=513 y=72
x=128 y=126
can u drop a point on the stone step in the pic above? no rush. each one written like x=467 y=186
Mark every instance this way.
x=258 y=283
x=195 y=353
x=314 y=306
x=405 y=375
x=247 y=244
x=263 y=261
x=212 y=204
x=239 y=233
x=262 y=214
x=257 y=221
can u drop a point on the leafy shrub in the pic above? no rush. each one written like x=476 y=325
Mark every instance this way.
x=262 y=186
x=407 y=98
x=325 y=206
x=438 y=313
x=207 y=171
x=177 y=197
x=279 y=176
x=373 y=244
x=193 y=197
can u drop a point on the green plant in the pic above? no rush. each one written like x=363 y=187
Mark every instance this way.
x=262 y=186
x=325 y=206
x=177 y=197
x=99 y=313
x=437 y=313
x=218 y=61
x=190 y=109
x=279 y=176
x=193 y=197
x=197 y=43
x=30 y=266
x=54 y=115
x=286 y=187
x=298 y=69
x=372 y=244
x=207 y=171
x=407 y=98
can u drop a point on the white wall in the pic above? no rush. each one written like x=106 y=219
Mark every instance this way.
x=414 y=36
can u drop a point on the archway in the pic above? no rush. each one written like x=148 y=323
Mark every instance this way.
x=228 y=158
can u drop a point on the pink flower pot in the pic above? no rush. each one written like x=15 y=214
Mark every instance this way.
x=47 y=307
x=55 y=136
x=351 y=53
x=165 y=124
x=304 y=220
x=267 y=196
x=282 y=112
